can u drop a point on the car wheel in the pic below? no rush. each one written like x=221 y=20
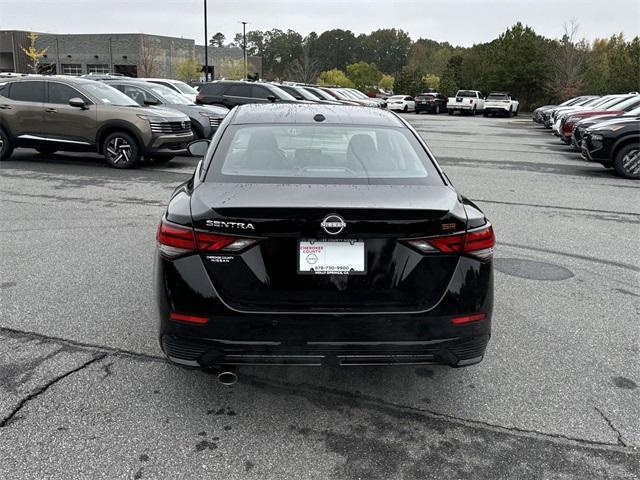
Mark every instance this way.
x=46 y=151
x=437 y=109
x=121 y=150
x=473 y=112
x=485 y=114
x=162 y=158
x=515 y=114
x=405 y=109
x=6 y=147
x=627 y=162
x=450 y=112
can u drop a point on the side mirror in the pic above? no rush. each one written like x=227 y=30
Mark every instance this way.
x=198 y=148
x=272 y=98
x=77 y=102
x=151 y=101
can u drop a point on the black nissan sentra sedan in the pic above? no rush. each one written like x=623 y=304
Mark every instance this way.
x=321 y=235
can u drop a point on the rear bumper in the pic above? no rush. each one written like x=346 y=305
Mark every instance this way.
x=425 y=107
x=196 y=352
x=232 y=337
x=460 y=107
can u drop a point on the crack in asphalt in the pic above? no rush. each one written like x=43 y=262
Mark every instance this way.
x=574 y=255
x=394 y=409
x=621 y=441
x=306 y=390
x=9 y=418
x=557 y=207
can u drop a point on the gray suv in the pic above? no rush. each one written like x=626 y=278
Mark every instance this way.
x=77 y=114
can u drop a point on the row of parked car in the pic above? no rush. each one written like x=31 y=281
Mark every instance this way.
x=229 y=93
x=464 y=102
x=126 y=120
x=604 y=129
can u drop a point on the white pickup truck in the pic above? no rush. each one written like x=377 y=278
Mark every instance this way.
x=500 y=103
x=466 y=101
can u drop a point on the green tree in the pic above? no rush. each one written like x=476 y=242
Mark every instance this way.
x=387 y=48
x=431 y=81
x=188 y=70
x=410 y=81
x=217 y=40
x=448 y=85
x=32 y=53
x=335 y=77
x=386 y=82
x=364 y=75
x=231 y=69
x=335 y=49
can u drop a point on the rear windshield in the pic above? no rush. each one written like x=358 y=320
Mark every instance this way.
x=497 y=96
x=321 y=154
x=425 y=97
x=466 y=93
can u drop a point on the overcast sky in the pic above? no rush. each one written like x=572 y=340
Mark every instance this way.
x=457 y=22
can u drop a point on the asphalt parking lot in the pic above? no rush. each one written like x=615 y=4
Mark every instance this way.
x=85 y=393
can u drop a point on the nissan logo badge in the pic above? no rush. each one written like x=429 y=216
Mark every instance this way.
x=333 y=224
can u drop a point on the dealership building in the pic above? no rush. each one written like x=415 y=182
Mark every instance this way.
x=131 y=54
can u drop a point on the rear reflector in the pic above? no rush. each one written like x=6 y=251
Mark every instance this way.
x=477 y=243
x=176 y=240
x=192 y=319
x=468 y=318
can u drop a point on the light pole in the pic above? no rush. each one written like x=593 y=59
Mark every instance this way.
x=244 y=46
x=206 y=43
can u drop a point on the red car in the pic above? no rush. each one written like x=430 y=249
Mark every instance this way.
x=567 y=124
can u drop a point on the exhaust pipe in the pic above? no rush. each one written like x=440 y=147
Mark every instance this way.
x=227 y=376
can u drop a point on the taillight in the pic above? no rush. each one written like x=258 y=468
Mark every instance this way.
x=190 y=319
x=210 y=242
x=476 y=317
x=177 y=240
x=476 y=243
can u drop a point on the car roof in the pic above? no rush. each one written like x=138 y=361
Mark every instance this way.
x=59 y=78
x=275 y=113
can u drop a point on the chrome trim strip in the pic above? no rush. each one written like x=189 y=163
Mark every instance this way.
x=35 y=137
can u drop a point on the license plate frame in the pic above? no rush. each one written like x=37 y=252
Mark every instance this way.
x=333 y=256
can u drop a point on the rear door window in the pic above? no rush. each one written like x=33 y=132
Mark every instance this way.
x=32 y=91
x=239 y=91
x=61 y=94
x=261 y=92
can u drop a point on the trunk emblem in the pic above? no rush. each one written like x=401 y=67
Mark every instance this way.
x=333 y=224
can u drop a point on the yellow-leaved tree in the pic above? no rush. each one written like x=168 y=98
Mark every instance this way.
x=32 y=53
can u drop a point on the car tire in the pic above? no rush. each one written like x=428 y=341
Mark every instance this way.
x=473 y=112
x=485 y=114
x=515 y=114
x=437 y=109
x=627 y=162
x=46 y=151
x=405 y=109
x=450 y=112
x=6 y=146
x=121 y=150
x=161 y=159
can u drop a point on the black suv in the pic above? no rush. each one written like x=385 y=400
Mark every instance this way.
x=431 y=102
x=230 y=93
x=615 y=144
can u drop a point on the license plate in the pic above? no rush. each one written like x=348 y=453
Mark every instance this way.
x=458 y=99
x=336 y=257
